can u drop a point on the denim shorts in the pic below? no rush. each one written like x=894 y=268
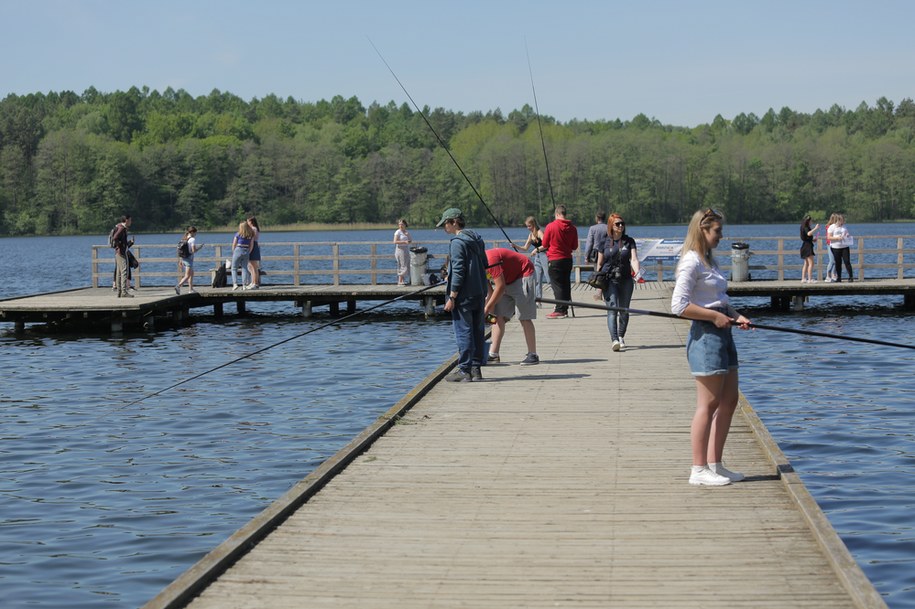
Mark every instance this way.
x=710 y=350
x=187 y=263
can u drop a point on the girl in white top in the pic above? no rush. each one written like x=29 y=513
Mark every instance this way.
x=402 y=242
x=840 y=243
x=700 y=294
x=190 y=236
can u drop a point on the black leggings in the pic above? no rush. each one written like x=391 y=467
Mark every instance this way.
x=561 y=281
x=842 y=255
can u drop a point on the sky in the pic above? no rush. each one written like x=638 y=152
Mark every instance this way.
x=679 y=62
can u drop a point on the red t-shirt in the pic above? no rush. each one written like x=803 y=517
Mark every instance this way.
x=560 y=238
x=514 y=265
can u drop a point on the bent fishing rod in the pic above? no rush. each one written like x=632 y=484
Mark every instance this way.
x=546 y=160
x=442 y=143
x=752 y=326
x=284 y=341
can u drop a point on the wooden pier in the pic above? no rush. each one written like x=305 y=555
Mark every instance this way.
x=558 y=485
x=151 y=307
x=156 y=306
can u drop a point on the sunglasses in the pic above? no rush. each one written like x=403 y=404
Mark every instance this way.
x=619 y=224
x=712 y=213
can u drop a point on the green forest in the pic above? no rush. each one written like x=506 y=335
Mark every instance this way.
x=72 y=164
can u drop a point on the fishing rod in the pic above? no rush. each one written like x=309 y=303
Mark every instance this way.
x=546 y=160
x=604 y=307
x=442 y=142
x=284 y=341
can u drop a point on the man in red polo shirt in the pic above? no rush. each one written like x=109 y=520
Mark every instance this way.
x=513 y=287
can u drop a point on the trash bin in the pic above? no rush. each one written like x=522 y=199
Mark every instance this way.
x=740 y=261
x=418 y=257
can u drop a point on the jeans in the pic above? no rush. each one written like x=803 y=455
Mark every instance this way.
x=240 y=258
x=561 y=282
x=618 y=295
x=540 y=272
x=830 y=265
x=469 y=334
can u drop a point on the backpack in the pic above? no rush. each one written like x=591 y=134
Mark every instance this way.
x=220 y=278
x=183 y=250
x=111 y=242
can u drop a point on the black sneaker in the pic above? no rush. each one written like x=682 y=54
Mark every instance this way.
x=476 y=374
x=493 y=357
x=458 y=376
x=530 y=360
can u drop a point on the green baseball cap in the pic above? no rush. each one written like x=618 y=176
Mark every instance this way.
x=451 y=212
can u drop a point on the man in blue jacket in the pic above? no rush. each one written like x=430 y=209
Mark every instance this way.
x=466 y=290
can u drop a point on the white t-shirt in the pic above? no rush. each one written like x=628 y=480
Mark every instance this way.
x=400 y=235
x=839 y=237
x=191 y=248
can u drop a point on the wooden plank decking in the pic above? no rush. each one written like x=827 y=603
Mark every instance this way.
x=558 y=485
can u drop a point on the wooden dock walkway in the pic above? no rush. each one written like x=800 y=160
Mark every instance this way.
x=154 y=306
x=558 y=485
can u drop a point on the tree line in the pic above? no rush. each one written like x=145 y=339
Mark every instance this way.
x=71 y=164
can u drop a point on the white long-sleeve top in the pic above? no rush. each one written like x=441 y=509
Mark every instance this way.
x=700 y=284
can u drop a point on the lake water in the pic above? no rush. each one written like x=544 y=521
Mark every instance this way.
x=103 y=504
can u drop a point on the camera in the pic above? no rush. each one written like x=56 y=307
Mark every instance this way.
x=615 y=274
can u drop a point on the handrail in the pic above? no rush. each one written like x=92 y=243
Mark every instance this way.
x=336 y=262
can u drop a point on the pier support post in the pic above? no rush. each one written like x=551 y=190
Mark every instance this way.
x=350 y=306
x=240 y=307
x=306 y=309
x=19 y=327
x=797 y=303
x=334 y=308
x=429 y=306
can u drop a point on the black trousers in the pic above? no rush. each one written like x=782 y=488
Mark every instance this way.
x=561 y=281
x=842 y=256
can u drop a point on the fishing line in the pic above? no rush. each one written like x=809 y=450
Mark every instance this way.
x=752 y=326
x=282 y=342
x=546 y=160
x=442 y=142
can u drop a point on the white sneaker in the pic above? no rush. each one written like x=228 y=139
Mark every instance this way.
x=622 y=343
x=616 y=345
x=234 y=287
x=721 y=470
x=251 y=286
x=703 y=476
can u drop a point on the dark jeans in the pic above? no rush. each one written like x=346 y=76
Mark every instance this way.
x=618 y=295
x=561 y=281
x=470 y=335
x=842 y=256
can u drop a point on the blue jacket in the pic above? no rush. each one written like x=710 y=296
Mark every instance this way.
x=467 y=269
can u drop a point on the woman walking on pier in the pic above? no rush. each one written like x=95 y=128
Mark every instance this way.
x=700 y=294
x=534 y=240
x=619 y=260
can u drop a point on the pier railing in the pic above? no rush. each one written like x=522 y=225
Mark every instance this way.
x=372 y=262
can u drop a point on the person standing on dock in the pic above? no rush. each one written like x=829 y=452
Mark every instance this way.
x=241 y=250
x=466 y=291
x=840 y=242
x=512 y=288
x=700 y=294
x=620 y=261
x=254 y=256
x=597 y=235
x=560 y=239
x=402 y=242
x=808 y=236
x=120 y=244
x=534 y=240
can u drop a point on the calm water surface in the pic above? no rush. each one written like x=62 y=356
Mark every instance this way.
x=103 y=504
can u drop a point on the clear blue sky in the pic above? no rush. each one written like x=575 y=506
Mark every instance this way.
x=681 y=62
